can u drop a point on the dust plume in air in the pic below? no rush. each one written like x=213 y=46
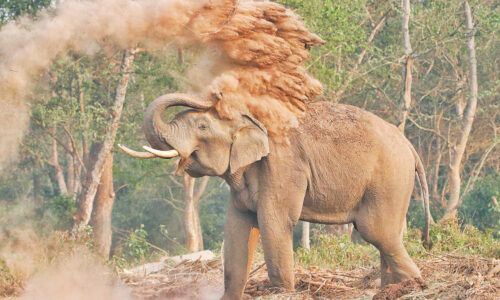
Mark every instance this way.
x=54 y=267
x=76 y=278
x=254 y=48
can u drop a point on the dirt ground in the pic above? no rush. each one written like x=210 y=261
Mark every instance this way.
x=445 y=277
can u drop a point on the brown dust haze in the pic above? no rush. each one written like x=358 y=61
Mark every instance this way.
x=254 y=51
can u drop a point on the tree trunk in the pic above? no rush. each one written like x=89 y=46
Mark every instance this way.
x=70 y=169
x=407 y=78
x=86 y=202
x=305 y=241
x=189 y=215
x=78 y=178
x=59 y=174
x=82 y=111
x=36 y=187
x=437 y=162
x=194 y=237
x=458 y=150
x=100 y=219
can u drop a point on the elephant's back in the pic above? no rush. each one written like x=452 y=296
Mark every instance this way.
x=348 y=132
x=338 y=123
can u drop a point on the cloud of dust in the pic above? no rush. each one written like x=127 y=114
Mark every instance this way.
x=28 y=47
x=259 y=48
x=76 y=278
x=56 y=267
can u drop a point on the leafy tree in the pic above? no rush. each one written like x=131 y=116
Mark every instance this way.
x=480 y=207
x=11 y=9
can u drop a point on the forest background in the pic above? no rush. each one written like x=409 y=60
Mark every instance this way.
x=365 y=63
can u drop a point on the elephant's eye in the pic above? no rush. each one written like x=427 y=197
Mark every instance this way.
x=203 y=126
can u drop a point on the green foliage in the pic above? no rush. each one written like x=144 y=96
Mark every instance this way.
x=58 y=212
x=13 y=186
x=415 y=216
x=145 y=200
x=10 y=9
x=480 y=207
x=212 y=211
x=329 y=251
x=341 y=25
x=136 y=248
x=449 y=238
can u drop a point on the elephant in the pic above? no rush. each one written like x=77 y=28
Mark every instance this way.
x=340 y=165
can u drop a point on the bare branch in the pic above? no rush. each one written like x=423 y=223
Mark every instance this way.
x=477 y=169
x=374 y=32
x=175 y=181
x=172 y=203
x=428 y=129
x=75 y=148
x=201 y=188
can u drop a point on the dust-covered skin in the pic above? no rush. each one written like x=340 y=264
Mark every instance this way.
x=340 y=165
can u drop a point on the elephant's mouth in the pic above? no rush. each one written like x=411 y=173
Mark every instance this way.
x=185 y=162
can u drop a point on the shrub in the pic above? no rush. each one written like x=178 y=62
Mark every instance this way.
x=58 y=212
x=136 y=248
x=9 y=284
x=449 y=238
x=480 y=207
x=330 y=251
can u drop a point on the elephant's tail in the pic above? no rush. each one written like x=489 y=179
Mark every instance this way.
x=424 y=189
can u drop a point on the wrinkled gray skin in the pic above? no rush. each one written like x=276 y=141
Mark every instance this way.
x=341 y=165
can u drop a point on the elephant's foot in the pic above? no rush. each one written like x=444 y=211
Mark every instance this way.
x=389 y=277
x=398 y=270
x=396 y=265
x=397 y=290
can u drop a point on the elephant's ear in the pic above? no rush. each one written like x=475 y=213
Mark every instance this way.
x=250 y=144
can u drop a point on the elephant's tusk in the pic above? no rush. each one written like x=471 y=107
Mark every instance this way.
x=160 y=153
x=136 y=154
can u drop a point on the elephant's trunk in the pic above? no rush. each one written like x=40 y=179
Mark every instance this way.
x=158 y=132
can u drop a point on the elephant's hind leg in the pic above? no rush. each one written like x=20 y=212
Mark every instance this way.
x=395 y=263
x=384 y=230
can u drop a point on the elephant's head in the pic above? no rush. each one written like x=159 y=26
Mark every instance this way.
x=206 y=144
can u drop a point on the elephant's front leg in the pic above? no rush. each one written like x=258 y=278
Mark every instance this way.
x=241 y=237
x=277 y=242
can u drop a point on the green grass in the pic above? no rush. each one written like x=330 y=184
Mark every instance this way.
x=449 y=237
x=329 y=251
